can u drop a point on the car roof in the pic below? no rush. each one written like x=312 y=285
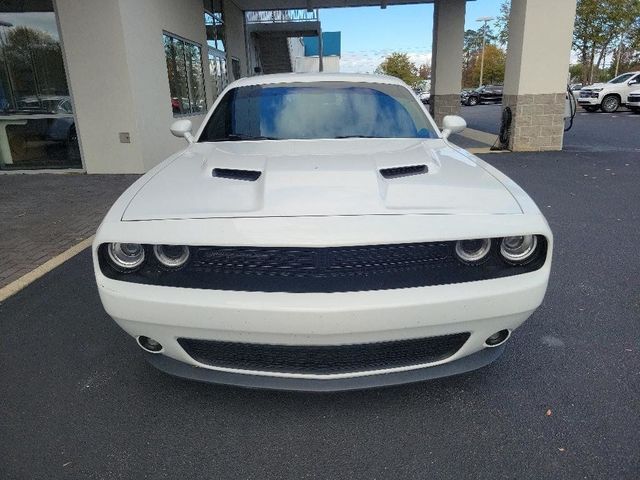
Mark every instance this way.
x=316 y=77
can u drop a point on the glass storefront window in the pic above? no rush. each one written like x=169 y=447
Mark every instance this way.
x=37 y=127
x=218 y=70
x=214 y=25
x=215 y=30
x=186 y=79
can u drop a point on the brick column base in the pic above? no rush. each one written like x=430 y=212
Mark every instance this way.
x=537 y=121
x=441 y=105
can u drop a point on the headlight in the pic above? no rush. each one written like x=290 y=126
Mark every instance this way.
x=596 y=89
x=518 y=249
x=171 y=256
x=472 y=251
x=126 y=256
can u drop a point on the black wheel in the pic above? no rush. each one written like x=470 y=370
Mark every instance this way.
x=610 y=104
x=590 y=108
x=471 y=101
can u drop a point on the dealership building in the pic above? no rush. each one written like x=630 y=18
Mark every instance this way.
x=93 y=85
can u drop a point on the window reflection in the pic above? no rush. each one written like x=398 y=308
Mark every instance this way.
x=186 y=79
x=37 y=128
x=339 y=110
x=214 y=25
x=215 y=30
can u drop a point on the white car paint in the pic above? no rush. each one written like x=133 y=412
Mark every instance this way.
x=321 y=193
x=633 y=101
x=592 y=96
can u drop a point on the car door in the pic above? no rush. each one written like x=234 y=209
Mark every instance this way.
x=490 y=94
x=630 y=85
x=484 y=94
x=497 y=94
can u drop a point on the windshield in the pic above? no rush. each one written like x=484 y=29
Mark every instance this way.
x=317 y=110
x=621 y=78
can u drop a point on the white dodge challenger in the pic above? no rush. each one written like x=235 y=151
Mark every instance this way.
x=320 y=233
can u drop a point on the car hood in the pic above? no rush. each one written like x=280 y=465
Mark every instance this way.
x=597 y=85
x=319 y=178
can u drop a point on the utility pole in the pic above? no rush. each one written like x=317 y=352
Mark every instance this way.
x=484 y=39
x=320 y=46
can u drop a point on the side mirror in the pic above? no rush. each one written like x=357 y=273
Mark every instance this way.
x=633 y=82
x=452 y=124
x=182 y=128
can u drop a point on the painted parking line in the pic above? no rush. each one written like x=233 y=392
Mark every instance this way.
x=28 y=278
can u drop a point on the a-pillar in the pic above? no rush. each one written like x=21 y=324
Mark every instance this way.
x=446 y=59
x=536 y=72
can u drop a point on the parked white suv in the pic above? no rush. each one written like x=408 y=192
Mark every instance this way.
x=633 y=101
x=609 y=96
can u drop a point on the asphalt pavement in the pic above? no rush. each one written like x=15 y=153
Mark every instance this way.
x=79 y=401
x=591 y=132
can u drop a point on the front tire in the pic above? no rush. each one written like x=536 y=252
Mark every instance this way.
x=634 y=109
x=610 y=104
x=472 y=101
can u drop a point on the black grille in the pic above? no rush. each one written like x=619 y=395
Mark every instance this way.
x=334 y=269
x=406 y=171
x=234 y=174
x=312 y=359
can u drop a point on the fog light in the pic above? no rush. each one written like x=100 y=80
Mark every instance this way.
x=497 y=338
x=472 y=251
x=126 y=256
x=172 y=256
x=518 y=249
x=149 y=344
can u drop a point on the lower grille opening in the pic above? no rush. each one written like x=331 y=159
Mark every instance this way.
x=323 y=359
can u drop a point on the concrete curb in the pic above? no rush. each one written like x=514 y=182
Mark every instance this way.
x=479 y=136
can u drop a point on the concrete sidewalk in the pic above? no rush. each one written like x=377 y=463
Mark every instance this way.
x=42 y=215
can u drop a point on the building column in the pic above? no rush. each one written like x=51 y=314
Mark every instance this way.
x=536 y=72
x=446 y=58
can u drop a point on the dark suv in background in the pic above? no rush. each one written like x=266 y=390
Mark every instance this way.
x=485 y=94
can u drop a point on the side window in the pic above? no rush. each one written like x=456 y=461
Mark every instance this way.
x=186 y=78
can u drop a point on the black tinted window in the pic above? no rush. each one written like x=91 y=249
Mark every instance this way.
x=317 y=110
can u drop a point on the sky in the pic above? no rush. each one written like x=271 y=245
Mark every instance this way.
x=370 y=33
x=42 y=20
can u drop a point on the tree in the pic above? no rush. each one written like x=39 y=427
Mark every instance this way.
x=598 y=29
x=502 y=23
x=575 y=73
x=424 y=71
x=494 y=61
x=399 y=65
x=472 y=51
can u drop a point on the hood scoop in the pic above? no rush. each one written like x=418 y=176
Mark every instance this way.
x=404 y=171
x=234 y=174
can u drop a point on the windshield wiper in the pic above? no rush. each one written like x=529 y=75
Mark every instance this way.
x=241 y=136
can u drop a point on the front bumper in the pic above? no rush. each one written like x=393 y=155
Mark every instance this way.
x=633 y=101
x=167 y=314
x=465 y=364
x=589 y=101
